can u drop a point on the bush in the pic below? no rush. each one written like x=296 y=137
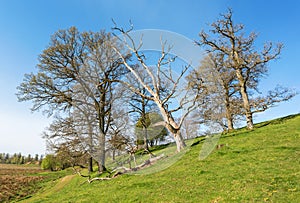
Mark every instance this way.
x=50 y=163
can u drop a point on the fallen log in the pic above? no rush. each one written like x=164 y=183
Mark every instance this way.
x=122 y=170
x=146 y=164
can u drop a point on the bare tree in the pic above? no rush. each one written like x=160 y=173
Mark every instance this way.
x=191 y=127
x=223 y=100
x=273 y=97
x=120 y=131
x=76 y=73
x=62 y=139
x=163 y=85
x=240 y=55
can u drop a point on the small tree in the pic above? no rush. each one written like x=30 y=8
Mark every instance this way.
x=156 y=132
x=49 y=163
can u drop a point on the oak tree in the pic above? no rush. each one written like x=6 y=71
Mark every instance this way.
x=75 y=74
x=240 y=55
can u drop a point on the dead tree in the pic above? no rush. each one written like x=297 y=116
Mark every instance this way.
x=163 y=85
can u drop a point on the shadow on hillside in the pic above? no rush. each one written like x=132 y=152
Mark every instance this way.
x=198 y=142
x=276 y=121
x=236 y=132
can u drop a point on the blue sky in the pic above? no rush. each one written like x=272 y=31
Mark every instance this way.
x=26 y=27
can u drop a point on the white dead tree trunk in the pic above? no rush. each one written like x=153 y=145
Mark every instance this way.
x=163 y=86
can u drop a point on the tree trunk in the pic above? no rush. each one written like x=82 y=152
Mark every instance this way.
x=247 y=108
x=101 y=167
x=101 y=153
x=246 y=103
x=179 y=141
x=172 y=127
x=113 y=154
x=102 y=133
x=229 y=123
x=228 y=110
x=90 y=164
x=146 y=145
x=249 y=120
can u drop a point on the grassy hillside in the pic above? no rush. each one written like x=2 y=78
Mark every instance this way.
x=262 y=165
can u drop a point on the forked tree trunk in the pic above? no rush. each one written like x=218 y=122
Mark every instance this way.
x=172 y=127
x=246 y=103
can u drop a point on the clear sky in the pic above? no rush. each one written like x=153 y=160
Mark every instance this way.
x=26 y=27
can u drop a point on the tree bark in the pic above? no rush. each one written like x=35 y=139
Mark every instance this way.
x=90 y=164
x=101 y=167
x=179 y=141
x=228 y=112
x=102 y=128
x=229 y=121
x=113 y=154
x=145 y=132
x=101 y=156
x=172 y=127
x=246 y=103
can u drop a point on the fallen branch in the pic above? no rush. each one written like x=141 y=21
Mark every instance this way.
x=147 y=163
x=78 y=173
x=121 y=170
x=93 y=179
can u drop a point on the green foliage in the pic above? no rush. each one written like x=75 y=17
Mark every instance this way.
x=50 y=162
x=18 y=158
x=55 y=162
x=261 y=165
x=155 y=132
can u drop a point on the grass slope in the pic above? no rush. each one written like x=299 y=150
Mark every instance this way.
x=262 y=165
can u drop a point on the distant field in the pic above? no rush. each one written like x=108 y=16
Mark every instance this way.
x=17 y=181
x=20 y=181
x=262 y=165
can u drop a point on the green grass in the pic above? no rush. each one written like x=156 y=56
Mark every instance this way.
x=262 y=165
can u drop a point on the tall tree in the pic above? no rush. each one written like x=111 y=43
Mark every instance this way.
x=163 y=85
x=240 y=55
x=75 y=73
